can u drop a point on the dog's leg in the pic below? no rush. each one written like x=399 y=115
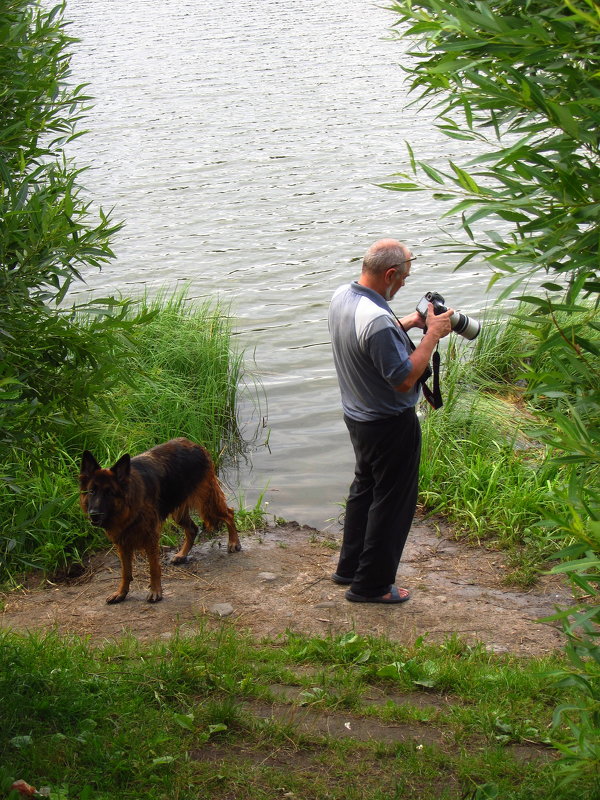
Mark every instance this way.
x=233 y=543
x=191 y=531
x=153 y=553
x=125 y=556
x=215 y=512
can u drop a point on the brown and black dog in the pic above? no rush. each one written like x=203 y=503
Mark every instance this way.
x=132 y=499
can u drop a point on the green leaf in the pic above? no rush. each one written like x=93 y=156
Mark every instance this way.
x=163 y=760
x=431 y=172
x=402 y=187
x=185 y=721
x=465 y=180
x=390 y=670
x=21 y=741
x=411 y=157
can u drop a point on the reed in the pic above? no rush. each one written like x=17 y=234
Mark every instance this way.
x=186 y=380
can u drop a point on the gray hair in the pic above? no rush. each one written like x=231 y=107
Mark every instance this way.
x=382 y=256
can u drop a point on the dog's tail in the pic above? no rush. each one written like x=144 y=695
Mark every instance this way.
x=210 y=503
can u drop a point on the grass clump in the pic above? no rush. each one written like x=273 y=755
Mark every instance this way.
x=185 y=381
x=482 y=466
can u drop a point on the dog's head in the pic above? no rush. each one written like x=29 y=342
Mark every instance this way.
x=103 y=492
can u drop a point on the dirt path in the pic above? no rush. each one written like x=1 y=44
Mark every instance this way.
x=280 y=581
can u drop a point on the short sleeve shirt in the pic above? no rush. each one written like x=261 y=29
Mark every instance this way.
x=371 y=354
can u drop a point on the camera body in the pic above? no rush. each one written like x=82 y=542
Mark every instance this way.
x=465 y=326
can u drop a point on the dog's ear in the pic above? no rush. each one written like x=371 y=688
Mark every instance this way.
x=122 y=468
x=89 y=465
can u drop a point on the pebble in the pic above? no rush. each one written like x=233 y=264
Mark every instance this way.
x=221 y=609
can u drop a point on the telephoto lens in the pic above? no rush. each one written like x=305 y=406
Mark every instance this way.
x=465 y=326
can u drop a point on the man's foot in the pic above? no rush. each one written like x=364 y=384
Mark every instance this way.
x=341 y=579
x=394 y=596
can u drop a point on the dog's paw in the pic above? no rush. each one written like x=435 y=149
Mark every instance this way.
x=117 y=597
x=234 y=547
x=179 y=559
x=154 y=597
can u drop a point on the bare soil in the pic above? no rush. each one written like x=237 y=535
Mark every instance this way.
x=281 y=581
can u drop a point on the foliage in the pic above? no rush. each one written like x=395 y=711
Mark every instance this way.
x=188 y=376
x=51 y=365
x=183 y=379
x=519 y=82
x=111 y=371
x=480 y=466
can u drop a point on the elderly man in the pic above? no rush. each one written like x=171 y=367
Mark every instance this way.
x=380 y=374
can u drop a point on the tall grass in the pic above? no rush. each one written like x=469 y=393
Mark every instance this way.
x=183 y=381
x=481 y=468
x=185 y=377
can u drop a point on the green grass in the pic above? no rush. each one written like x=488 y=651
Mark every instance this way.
x=482 y=468
x=184 y=376
x=201 y=717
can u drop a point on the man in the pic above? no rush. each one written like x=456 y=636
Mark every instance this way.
x=379 y=371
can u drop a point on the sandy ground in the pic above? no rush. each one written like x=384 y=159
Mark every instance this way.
x=281 y=580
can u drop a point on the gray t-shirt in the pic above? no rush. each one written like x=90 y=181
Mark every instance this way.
x=371 y=354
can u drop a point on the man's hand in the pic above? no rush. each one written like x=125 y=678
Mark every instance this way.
x=414 y=320
x=438 y=325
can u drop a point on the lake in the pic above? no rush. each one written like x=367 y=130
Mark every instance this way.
x=243 y=143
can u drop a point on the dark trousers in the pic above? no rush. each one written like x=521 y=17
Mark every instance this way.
x=381 y=502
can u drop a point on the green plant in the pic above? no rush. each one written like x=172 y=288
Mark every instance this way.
x=481 y=467
x=53 y=360
x=183 y=387
x=56 y=362
x=519 y=83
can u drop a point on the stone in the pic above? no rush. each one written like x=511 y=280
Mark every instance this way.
x=221 y=609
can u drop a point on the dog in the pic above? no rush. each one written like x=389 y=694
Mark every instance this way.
x=132 y=499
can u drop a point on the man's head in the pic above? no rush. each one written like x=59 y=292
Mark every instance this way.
x=386 y=266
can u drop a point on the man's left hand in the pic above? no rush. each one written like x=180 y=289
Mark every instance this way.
x=414 y=320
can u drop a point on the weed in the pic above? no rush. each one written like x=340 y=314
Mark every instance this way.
x=480 y=467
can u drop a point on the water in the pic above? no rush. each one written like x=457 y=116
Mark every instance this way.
x=242 y=142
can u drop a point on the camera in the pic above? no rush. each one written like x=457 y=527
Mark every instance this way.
x=465 y=326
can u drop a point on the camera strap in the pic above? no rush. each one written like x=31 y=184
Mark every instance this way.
x=434 y=395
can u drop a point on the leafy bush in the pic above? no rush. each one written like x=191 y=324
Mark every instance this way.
x=69 y=374
x=519 y=82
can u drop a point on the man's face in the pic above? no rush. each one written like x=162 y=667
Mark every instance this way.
x=398 y=277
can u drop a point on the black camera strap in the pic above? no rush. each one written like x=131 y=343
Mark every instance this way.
x=434 y=395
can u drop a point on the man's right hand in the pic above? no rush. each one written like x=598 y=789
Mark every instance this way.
x=438 y=325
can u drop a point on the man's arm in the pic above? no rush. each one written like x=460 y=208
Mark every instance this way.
x=437 y=327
